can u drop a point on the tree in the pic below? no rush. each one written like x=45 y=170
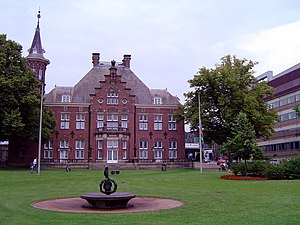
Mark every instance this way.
x=20 y=96
x=226 y=91
x=243 y=143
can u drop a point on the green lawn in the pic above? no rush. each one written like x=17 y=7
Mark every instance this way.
x=207 y=198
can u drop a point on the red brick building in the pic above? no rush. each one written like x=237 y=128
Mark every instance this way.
x=111 y=116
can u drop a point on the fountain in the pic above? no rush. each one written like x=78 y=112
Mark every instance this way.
x=108 y=197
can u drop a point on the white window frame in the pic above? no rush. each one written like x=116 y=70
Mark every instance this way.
x=79 y=149
x=100 y=149
x=112 y=98
x=143 y=148
x=143 y=122
x=64 y=121
x=80 y=121
x=171 y=122
x=157 y=122
x=66 y=98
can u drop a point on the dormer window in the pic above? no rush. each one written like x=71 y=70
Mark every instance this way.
x=157 y=101
x=112 y=97
x=65 y=98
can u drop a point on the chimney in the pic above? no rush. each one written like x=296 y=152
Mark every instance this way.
x=126 y=61
x=95 y=59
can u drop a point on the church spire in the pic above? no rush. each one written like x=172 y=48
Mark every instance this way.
x=36 y=50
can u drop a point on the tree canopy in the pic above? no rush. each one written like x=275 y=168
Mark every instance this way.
x=225 y=91
x=20 y=96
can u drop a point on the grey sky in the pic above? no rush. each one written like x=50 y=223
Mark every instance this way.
x=169 y=40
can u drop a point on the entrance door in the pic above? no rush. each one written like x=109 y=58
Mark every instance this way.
x=112 y=156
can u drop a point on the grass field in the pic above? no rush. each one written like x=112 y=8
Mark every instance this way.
x=206 y=198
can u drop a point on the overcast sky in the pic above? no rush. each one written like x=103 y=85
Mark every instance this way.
x=169 y=40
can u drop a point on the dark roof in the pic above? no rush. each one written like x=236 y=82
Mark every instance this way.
x=80 y=93
x=36 y=50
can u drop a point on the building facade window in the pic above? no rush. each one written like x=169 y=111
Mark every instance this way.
x=157 y=101
x=143 y=149
x=171 y=122
x=112 y=98
x=64 y=121
x=173 y=149
x=112 y=150
x=100 y=149
x=143 y=122
x=48 y=150
x=157 y=122
x=65 y=98
x=124 y=149
x=100 y=123
x=80 y=121
x=112 y=121
x=124 y=121
x=64 y=143
x=288 y=116
x=158 y=149
x=64 y=150
x=79 y=149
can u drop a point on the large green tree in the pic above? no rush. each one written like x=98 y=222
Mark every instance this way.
x=20 y=96
x=225 y=91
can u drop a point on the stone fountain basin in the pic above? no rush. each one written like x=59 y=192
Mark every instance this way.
x=100 y=200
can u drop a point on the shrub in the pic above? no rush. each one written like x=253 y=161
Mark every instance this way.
x=291 y=168
x=274 y=172
x=288 y=169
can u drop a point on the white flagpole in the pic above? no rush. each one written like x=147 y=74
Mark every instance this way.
x=200 y=141
x=40 y=131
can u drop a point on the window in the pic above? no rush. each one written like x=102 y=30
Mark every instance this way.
x=288 y=116
x=40 y=75
x=157 y=101
x=157 y=122
x=172 y=149
x=158 y=149
x=112 y=150
x=124 y=149
x=64 y=121
x=171 y=122
x=100 y=149
x=100 y=123
x=143 y=122
x=79 y=149
x=112 y=121
x=64 y=143
x=124 y=118
x=143 y=148
x=48 y=150
x=112 y=98
x=80 y=121
x=65 y=98
x=112 y=143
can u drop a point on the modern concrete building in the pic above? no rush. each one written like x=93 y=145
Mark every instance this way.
x=285 y=141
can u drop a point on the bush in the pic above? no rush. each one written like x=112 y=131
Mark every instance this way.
x=274 y=172
x=291 y=168
x=288 y=169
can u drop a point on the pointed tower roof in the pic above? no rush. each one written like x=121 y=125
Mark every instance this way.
x=36 y=50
